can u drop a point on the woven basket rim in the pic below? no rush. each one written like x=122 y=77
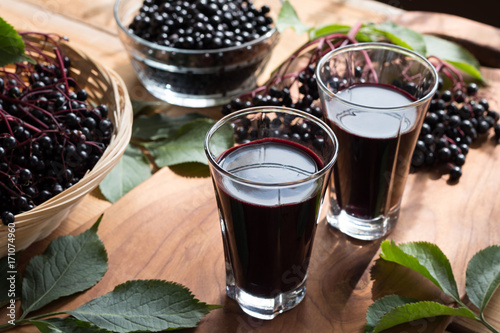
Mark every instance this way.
x=122 y=120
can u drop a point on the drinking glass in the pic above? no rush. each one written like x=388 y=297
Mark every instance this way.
x=375 y=97
x=270 y=168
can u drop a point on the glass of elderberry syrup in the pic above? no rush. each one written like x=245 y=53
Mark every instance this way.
x=375 y=97
x=270 y=168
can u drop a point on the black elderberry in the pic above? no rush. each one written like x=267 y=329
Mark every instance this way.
x=30 y=191
x=21 y=202
x=483 y=126
x=72 y=120
x=494 y=115
x=105 y=125
x=431 y=119
x=9 y=142
x=454 y=121
x=478 y=110
x=14 y=92
x=444 y=154
x=459 y=96
x=226 y=109
x=430 y=158
x=446 y=96
x=440 y=83
x=497 y=130
x=421 y=146
x=472 y=89
x=7 y=218
x=418 y=158
x=19 y=133
x=459 y=159
x=454 y=150
x=57 y=188
x=484 y=103
x=466 y=126
x=490 y=120
x=464 y=148
x=428 y=139
x=455 y=173
x=410 y=87
x=24 y=175
x=203 y=24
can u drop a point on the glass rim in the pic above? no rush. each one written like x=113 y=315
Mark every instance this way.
x=268 y=109
x=378 y=46
x=118 y=19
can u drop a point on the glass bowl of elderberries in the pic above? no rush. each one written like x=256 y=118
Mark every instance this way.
x=196 y=53
x=65 y=122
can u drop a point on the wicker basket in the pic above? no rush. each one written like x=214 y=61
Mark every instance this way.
x=103 y=87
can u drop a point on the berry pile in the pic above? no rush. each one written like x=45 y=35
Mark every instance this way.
x=50 y=136
x=201 y=24
x=456 y=118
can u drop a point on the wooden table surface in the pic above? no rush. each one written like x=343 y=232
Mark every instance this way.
x=167 y=228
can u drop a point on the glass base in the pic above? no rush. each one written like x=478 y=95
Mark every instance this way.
x=213 y=88
x=266 y=308
x=364 y=229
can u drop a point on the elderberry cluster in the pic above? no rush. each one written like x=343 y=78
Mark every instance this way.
x=50 y=136
x=308 y=100
x=200 y=24
x=455 y=119
x=286 y=126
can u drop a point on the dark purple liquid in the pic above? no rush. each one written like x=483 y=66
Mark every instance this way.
x=373 y=163
x=269 y=245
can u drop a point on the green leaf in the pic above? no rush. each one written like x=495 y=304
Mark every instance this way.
x=132 y=169
x=69 y=265
x=11 y=45
x=288 y=18
x=45 y=327
x=468 y=68
x=402 y=36
x=185 y=144
x=426 y=259
x=146 y=107
x=414 y=311
x=381 y=307
x=70 y=324
x=483 y=276
x=191 y=170
x=328 y=30
x=454 y=54
x=144 y=305
x=159 y=125
x=363 y=35
x=9 y=279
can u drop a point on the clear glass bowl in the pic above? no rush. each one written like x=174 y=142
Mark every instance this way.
x=193 y=78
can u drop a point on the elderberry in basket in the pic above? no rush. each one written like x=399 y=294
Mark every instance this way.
x=196 y=53
x=50 y=135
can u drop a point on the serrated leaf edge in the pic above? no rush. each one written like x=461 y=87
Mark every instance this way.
x=484 y=302
x=377 y=329
x=450 y=293
x=376 y=302
x=209 y=307
x=48 y=252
